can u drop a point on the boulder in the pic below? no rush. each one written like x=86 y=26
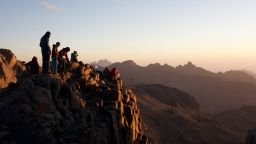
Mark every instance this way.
x=9 y=68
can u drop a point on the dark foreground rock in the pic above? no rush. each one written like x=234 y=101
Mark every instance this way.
x=77 y=108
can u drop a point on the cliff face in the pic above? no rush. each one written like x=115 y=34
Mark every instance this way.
x=9 y=67
x=76 y=107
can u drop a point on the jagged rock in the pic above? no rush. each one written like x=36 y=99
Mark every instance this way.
x=9 y=68
x=75 y=66
x=72 y=107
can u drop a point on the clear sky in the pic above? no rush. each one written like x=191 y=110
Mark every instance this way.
x=218 y=35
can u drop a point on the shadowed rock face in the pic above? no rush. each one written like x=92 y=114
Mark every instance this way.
x=76 y=107
x=168 y=96
x=9 y=67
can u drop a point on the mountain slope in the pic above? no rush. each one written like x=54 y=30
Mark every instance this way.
x=237 y=76
x=173 y=116
x=239 y=120
x=168 y=96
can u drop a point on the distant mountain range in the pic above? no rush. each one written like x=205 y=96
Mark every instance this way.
x=102 y=63
x=216 y=92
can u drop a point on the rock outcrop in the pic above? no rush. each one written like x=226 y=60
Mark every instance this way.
x=78 y=108
x=9 y=67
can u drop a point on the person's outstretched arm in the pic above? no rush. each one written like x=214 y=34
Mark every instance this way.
x=67 y=58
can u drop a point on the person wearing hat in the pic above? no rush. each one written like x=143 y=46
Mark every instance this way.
x=74 y=57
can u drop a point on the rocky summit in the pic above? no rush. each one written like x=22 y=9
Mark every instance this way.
x=71 y=108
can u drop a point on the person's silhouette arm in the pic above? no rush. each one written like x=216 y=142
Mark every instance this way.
x=66 y=55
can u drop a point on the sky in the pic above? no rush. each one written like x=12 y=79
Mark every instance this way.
x=218 y=35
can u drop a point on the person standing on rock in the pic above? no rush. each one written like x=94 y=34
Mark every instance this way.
x=106 y=74
x=55 y=54
x=46 y=52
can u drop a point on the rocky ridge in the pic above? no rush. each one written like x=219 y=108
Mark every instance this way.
x=77 y=107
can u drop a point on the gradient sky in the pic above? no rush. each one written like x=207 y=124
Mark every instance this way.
x=218 y=35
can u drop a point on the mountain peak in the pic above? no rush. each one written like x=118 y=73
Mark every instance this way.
x=154 y=65
x=102 y=63
x=129 y=62
x=189 y=64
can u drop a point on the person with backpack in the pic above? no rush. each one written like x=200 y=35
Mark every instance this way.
x=46 y=52
x=55 y=55
x=33 y=66
x=74 y=56
x=63 y=59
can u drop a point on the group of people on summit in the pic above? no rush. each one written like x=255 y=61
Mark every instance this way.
x=60 y=60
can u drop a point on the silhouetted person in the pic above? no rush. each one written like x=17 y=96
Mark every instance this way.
x=55 y=55
x=33 y=66
x=106 y=74
x=74 y=56
x=46 y=52
x=63 y=59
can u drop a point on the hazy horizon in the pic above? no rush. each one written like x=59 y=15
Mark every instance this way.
x=173 y=65
x=216 y=35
